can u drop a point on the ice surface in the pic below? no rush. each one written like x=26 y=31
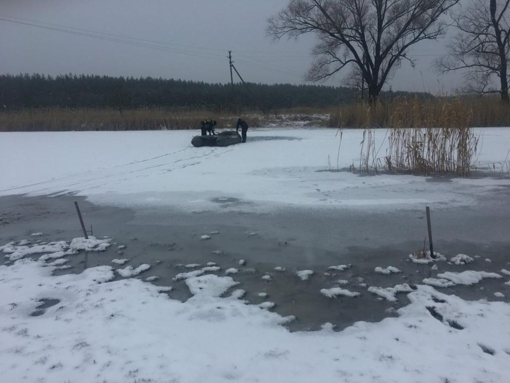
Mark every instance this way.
x=135 y=333
x=162 y=168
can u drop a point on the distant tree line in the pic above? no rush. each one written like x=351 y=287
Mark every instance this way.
x=84 y=91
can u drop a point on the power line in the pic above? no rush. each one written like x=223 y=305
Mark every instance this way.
x=144 y=43
x=41 y=23
x=102 y=37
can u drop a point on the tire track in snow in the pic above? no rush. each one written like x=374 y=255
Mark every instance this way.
x=95 y=170
x=72 y=187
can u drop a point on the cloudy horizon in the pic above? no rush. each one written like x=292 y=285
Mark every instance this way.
x=173 y=39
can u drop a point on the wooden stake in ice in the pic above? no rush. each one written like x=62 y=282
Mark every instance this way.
x=429 y=227
x=81 y=220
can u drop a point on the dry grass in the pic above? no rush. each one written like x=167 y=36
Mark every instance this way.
x=55 y=119
x=110 y=119
x=484 y=112
x=423 y=138
x=440 y=141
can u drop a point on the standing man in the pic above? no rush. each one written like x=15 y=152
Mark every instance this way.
x=244 y=128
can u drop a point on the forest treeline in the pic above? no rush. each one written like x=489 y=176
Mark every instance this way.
x=86 y=91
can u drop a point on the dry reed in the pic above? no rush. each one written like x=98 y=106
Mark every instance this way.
x=431 y=138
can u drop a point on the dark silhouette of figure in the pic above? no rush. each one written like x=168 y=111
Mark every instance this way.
x=244 y=128
x=208 y=127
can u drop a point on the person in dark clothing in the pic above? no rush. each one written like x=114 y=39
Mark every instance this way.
x=244 y=128
x=208 y=127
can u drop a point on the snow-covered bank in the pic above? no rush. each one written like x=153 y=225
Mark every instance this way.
x=276 y=167
x=128 y=331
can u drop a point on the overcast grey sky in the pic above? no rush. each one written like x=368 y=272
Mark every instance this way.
x=197 y=35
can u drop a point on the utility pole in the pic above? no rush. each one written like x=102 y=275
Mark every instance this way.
x=231 y=74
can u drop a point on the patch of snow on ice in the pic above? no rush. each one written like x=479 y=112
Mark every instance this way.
x=389 y=293
x=90 y=244
x=211 y=263
x=205 y=237
x=191 y=274
x=15 y=252
x=211 y=269
x=242 y=262
x=231 y=271
x=209 y=286
x=267 y=278
x=267 y=305
x=238 y=294
x=37 y=234
x=279 y=268
x=505 y=272
x=461 y=259
x=499 y=295
x=342 y=282
x=121 y=247
x=249 y=336
x=469 y=277
x=58 y=254
x=262 y=295
x=304 y=274
x=129 y=271
x=387 y=271
x=192 y=266
x=340 y=267
x=438 y=282
x=217 y=252
x=336 y=291
x=152 y=279
x=425 y=258
x=58 y=262
x=120 y=261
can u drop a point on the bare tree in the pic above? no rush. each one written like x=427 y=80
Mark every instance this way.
x=355 y=80
x=481 y=47
x=382 y=31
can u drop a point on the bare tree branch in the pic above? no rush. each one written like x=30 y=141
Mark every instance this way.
x=481 y=47
x=374 y=36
